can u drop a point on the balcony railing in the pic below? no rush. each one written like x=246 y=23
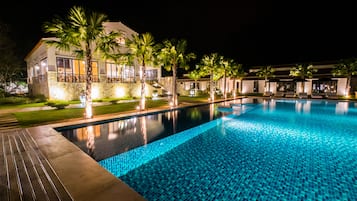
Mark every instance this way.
x=75 y=78
x=120 y=80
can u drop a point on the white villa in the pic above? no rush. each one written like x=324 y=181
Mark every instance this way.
x=59 y=75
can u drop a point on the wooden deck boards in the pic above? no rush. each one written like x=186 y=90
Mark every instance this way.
x=25 y=174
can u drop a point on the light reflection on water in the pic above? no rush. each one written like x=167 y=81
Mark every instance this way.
x=107 y=139
x=104 y=140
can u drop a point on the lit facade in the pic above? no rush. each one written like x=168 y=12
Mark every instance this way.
x=323 y=83
x=58 y=75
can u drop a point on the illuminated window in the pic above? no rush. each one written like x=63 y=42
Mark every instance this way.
x=324 y=86
x=285 y=86
x=120 y=73
x=151 y=74
x=112 y=72
x=74 y=70
x=128 y=73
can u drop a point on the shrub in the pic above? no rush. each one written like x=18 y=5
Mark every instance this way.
x=38 y=98
x=12 y=100
x=57 y=105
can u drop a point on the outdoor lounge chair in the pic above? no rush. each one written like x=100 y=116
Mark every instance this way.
x=279 y=94
x=289 y=95
x=302 y=95
x=331 y=96
x=316 y=96
x=268 y=94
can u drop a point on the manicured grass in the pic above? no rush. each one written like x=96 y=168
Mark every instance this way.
x=33 y=118
x=194 y=99
x=27 y=119
x=9 y=106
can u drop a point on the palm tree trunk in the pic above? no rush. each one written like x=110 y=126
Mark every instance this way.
x=265 y=84
x=211 y=86
x=303 y=85
x=224 y=85
x=241 y=86
x=143 y=78
x=348 y=81
x=174 y=88
x=234 y=88
x=88 y=110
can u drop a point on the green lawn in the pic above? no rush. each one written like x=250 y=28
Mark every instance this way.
x=15 y=106
x=195 y=99
x=32 y=118
x=41 y=117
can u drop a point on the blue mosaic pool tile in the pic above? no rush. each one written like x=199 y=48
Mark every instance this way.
x=123 y=163
x=261 y=155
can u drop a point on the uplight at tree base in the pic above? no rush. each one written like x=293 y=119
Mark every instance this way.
x=88 y=111
x=142 y=105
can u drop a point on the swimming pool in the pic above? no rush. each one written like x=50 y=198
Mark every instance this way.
x=103 y=139
x=272 y=150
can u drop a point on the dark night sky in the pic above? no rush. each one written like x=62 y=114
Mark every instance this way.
x=253 y=32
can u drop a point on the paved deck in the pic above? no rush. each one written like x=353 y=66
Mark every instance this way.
x=38 y=163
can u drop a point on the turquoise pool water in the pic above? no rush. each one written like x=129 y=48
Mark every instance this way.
x=272 y=150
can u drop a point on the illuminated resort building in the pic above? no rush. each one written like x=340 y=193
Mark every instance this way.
x=59 y=75
x=321 y=84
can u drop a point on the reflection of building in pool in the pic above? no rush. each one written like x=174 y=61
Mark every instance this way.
x=116 y=137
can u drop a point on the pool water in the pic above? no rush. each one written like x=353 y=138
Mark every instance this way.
x=104 y=139
x=275 y=150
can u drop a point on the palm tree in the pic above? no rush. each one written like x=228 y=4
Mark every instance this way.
x=172 y=56
x=303 y=71
x=195 y=75
x=236 y=72
x=346 y=68
x=82 y=33
x=225 y=69
x=208 y=66
x=266 y=72
x=142 y=48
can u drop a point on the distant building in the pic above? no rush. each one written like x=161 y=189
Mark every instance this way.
x=59 y=75
x=323 y=83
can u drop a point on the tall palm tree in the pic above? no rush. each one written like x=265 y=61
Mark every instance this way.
x=208 y=66
x=303 y=71
x=82 y=33
x=195 y=75
x=143 y=49
x=236 y=72
x=172 y=56
x=225 y=68
x=346 y=68
x=266 y=72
